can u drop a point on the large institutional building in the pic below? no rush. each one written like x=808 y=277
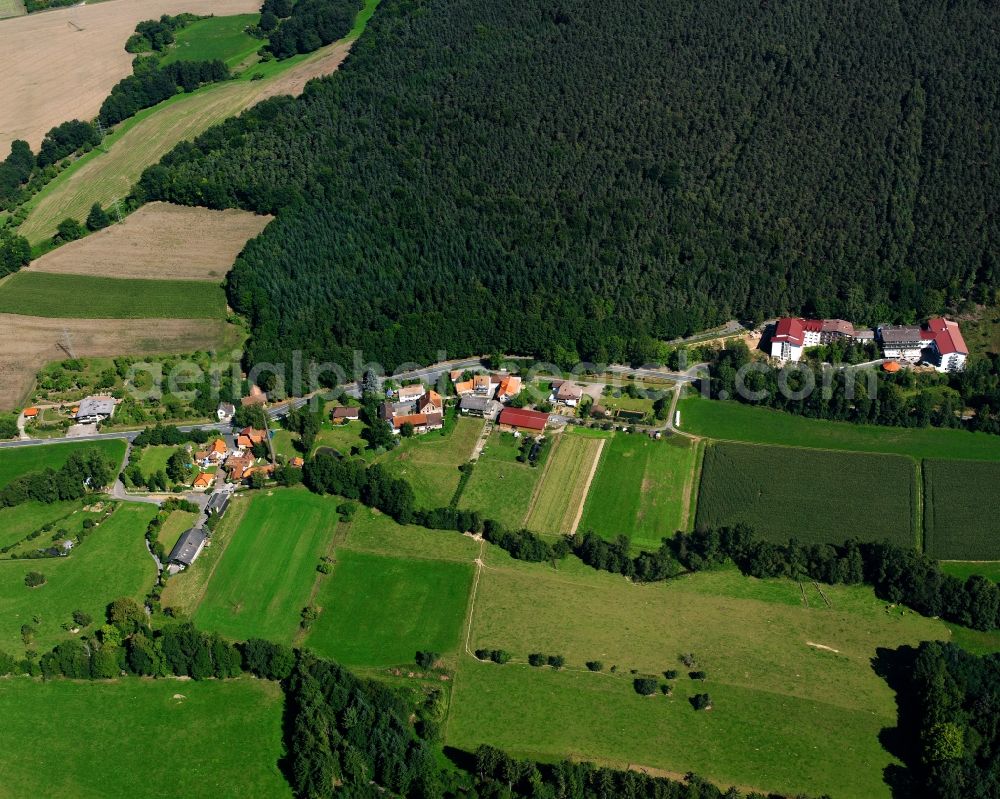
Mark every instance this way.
x=939 y=343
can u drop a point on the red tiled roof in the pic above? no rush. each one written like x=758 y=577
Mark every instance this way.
x=947 y=336
x=790 y=330
x=519 y=417
x=416 y=419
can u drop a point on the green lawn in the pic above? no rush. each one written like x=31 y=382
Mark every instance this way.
x=85 y=297
x=210 y=739
x=15 y=461
x=112 y=562
x=642 y=489
x=779 y=702
x=500 y=487
x=736 y=422
x=177 y=523
x=430 y=462
x=222 y=38
x=154 y=458
x=266 y=575
x=813 y=496
x=564 y=483
x=20 y=520
x=378 y=611
x=961 y=510
x=966 y=568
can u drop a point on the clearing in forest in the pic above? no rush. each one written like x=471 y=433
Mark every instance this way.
x=159 y=241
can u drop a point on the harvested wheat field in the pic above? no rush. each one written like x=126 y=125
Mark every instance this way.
x=159 y=241
x=61 y=64
x=103 y=176
x=30 y=342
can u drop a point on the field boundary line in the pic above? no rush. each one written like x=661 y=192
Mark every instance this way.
x=470 y=613
x=689 y=485
x=918 y=508
x=586 y=487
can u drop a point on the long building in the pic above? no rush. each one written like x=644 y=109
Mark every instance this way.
x=792 y=335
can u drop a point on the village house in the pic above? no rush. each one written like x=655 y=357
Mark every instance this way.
x=483 y=385
x=410 y=393
x=187 y=549
x=566 y=392
x=297 y=462
x=479 y=406
x=217 y=503
x=510 y=386
x=94 y=409
x=30 y=413
x=948 y=350
x=425 y=414
x=204 y=480
x=522 y=420
x=225 y=411
x=343 y=415
x=464 y=387
x=214 y=455
x=430 y=402
x=902 y=342
x=422 y=422
x=792 y=335
x=237 y=466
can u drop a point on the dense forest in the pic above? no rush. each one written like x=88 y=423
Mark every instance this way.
x=580 y=179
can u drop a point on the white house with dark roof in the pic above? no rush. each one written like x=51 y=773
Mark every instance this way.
x=94 y=409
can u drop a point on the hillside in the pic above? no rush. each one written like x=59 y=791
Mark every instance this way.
x=504 y=175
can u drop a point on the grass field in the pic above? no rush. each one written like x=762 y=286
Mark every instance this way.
x=153 y=459
x=11 y=8
x=556 y=504
x=266 y=575
x=779 y=702
x=735 y=422
x=222 y=38
x=20 y=520
x=430 y=462
x=83 y=297
x=815 y=497
x=112 y=562
x=962 y=510
x=642 y=489
x=375 y=533
x=56 y=736
x=966 y=568
x=178 y=522
x=16 y=461
x=378 y=611
x=500 y=487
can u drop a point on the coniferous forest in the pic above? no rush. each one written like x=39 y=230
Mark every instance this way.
x=571 y=179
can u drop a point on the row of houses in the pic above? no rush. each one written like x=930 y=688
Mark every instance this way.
x=421 y=408
x=939 y=343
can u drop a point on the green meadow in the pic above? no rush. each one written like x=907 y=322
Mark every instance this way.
x=814 y=496
x=20 y=520
x=643 y=489
x=222 y=38
x=732 y=421
x=500 y=487
x=429 y=463
x=563 y=490
x=86 y=297
x=209 y=739
x=378 y=610
x=779 y=699
x=15 y=461
x=112 y=562
x=964 y=569
x=266 y=575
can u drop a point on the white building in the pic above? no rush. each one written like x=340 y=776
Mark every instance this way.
x=94 y=409
x=948 y=350
x=902 y=342
x=791 y=335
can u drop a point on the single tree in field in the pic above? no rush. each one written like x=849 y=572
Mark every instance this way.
x=34 y=579
x=177 y=466
x=645 y=686
x=98 y=218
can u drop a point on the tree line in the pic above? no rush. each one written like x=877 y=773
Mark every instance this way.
x=152 y=83
x=903 y=399
x=311 y=24
x=83 y=473
x=452 y=145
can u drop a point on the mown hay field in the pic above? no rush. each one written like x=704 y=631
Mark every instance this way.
x=962 y=510
x=566 y=480
x=779 y=700
x=160 y=241
x=812 y=496
x=501 y=487
x=56 y=736
x=83 y=297
x=643 y=489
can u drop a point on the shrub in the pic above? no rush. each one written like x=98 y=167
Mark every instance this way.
x=537 y=659
x=309 y=615
x=670 y=674
x=595 y=665
x=81 y=619
x=556 y=661
x=426 y=659
x=701 y=702
x=34 y=579
x=698 y=675
x=645 y=686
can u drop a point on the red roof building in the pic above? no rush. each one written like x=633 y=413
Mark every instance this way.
x=789 y=330
x=522 y=419
x=947 y=336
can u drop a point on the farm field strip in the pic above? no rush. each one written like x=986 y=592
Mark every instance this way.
x=732 y=421
x=82 y=297
x=159 y=241
x=812 y=496
x=961 y=510
x=564 y=484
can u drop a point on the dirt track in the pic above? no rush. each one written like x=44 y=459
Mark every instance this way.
x=159 y=241
x=29 y=342
x=60 y=65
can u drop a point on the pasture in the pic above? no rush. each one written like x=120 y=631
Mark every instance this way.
x=556 y=505
x=814 y=497
x=962 y=510
x=21 y=520
x=112 y=562
x=159 y=241
x=501 y=488
x=154 y=459
x=104 y=174
x=227 y=734
x=67 y=71
x=375 y=533
x=39 y=340
x=222 y=38
x=733 y=421
x=84 y=297
x=779 y=699
x=642 y=489
x=964 y=569
x=266 y=575
x=378 y=611
x=15 y=461
x=430 y=462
